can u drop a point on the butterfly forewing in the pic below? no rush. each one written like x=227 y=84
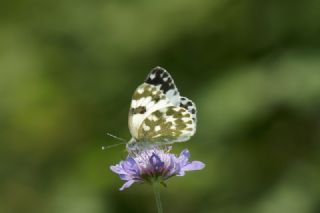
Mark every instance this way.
x=160 y=78
x=145 y=100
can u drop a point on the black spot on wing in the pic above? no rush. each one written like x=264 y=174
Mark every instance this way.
x=160 y=77
x=138 y=110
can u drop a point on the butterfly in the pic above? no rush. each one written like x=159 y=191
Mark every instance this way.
x=158 y=114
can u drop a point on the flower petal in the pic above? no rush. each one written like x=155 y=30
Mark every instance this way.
x=130 y=166
x=184 y=157
x=126 y=185
x=125 y=177
x=194 y=165
x=171 y=167
x=156 y=162
x=185 y=153
x=117 y=169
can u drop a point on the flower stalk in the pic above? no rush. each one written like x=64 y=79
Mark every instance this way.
x=156 y=191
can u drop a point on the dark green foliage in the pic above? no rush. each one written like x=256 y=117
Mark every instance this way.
x=68 y=70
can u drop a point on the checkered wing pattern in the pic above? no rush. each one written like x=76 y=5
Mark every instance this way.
x=158 y=114
x=167 y=125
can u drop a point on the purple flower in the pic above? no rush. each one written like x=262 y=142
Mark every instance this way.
x=154 y=164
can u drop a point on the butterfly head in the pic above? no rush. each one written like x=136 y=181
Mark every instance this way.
x=131 y=145
x=135 y=146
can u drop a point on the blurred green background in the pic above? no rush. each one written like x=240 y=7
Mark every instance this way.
x=68 y=70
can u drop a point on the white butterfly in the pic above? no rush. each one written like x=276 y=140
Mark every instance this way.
x=158 y=114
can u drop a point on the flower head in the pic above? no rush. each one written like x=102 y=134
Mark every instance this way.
x=154 y=164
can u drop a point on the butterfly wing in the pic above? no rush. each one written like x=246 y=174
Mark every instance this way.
x=161 y=79
x=167 y=125
x=145 y=100
x=190 y=106
x=158 y=113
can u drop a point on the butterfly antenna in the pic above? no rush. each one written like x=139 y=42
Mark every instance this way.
x=118 y=138
x=114 y=145
x=110 y=146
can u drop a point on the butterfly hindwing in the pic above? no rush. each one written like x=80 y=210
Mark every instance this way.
x=190 y=106
x=167 y=125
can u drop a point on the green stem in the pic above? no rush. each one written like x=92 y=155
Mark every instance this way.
x=156 y=192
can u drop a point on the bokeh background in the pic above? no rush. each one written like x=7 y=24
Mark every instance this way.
x=68 y=70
